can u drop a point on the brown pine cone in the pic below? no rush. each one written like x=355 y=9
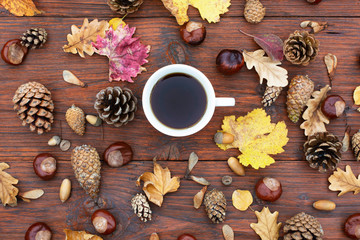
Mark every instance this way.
x=355 y=142
x=215 y=205
x=303 y=226
x=75 y=117
x=124 y=6
x=34 y=38
x=254 y=11
x=270 y=95
x=141 y=207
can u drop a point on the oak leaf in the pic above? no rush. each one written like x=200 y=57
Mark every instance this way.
x=314 y=118
x=267 y=226
x=79 y=235
x=266 y=68
x=256 y=137
x=20 y=7
x=8 y=192
x=159 y=183
x=242 y=199
x=80 y=39
x=344 y=181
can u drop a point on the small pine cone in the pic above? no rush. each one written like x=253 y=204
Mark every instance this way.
x=141 y=207
x=270 y=95
x=124 y=6
x=303 y=226
x=215 y=205
x=322 y=151
x=355 y=142
x=299 y=93
x=34 y=106
x=34 y=38
x=254 y=11
x=301 y=48
x=116 y=106
x=75 y=117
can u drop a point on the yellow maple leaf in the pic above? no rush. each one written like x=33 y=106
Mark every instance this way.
x=79 y=235
x=267 y=227
x=344 y=181
x=7 y=191
x=116 y=22
x=256 y=137
x=242 y=199
x=20 y=7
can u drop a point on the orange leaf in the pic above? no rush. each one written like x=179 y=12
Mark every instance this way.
x=80 y=235
x=20 y=7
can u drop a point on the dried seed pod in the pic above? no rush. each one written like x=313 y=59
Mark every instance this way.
x=193 y=159
x=94 y=120
x=223 y=138
x=324 y=205
x=226 y=180
x=346 y=140
x=199 y=197
x=55 y=140
x=200 y=180
x=32 y=194
x=65 y=190
x=69 y=77
x=228 y=232
x=65 y=145
x=236 y=166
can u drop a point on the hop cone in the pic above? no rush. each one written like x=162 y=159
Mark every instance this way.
x=303 y=226
x=141 y=207
x=215 y=205
x=124 y=6
x=254 y=11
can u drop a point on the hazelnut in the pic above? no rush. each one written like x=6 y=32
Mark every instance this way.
x=223 y=138
x=229 y=61
x=45 y=166
x=186 y=236
x=103 y=221
x=352 y=226
x=13 y=52
x=193 y=33
x=268 y=189
x=38 y=231
x=118 y=154
x=333 y=106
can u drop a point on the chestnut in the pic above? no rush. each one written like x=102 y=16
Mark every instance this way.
x=352 y=226
x=193 y=33
x=103 y=221
x=45 y=166
x=38 y=231
x=268 y=189
x=229 y=61
x=313 y=1
x=118 y=154
x=186 y=236
x=13 y=52
x=333 y=106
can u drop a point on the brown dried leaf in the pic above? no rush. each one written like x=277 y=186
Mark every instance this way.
x=193 y=160
x=344 y=181
x=228 y=232
x=316 y=26
x=20 y=7
x=267 y=227
x=200 y=180
x=80 y=235
x=314 y=118
x=330 y=61
x=199 y=197
x=32 y=194
x=8 y=192
x=346 y=140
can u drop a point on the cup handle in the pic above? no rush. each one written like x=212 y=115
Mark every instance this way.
x=224 y=102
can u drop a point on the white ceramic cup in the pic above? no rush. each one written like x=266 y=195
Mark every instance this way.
x=212 y=101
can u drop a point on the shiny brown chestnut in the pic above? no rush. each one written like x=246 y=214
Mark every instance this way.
x=193 y=33
x=313 y=1
x=333 y=106
x=118 y=154
x=352 y=226
x=268 y=189
x=45 y=166
x=103 y=221
x=186 y=236
x=229 y=61
x=13 y=52
x=38 y=231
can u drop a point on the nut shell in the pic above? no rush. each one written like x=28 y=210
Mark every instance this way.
x=38 y=231
x=186 y=236
x=268 y=189
x=118 y=154
x=333 y=106
x=13 y=52
x=352 y=226
x=44 y=166
x=229 y=61
x=193 y=33
x=103 y=221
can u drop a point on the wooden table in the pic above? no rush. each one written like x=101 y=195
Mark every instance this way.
x=156 y=27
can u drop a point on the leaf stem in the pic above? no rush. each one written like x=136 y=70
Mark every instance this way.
x=247 y=34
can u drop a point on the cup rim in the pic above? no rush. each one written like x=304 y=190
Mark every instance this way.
x=189 y=70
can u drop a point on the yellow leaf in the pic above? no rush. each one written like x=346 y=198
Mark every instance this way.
x=242 y=199
x=356 y=95
x=116 y=22
x=157 y=184
x=178 y=8
x=79 y=235
x=80 y=39
x=267 y=227
x=256 y=137
x=344 y=181
x=8 y=192
x=211 y=9
x=20 y=7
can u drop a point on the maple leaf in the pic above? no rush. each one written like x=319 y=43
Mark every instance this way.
x=267 y=227
x=80 y=39
x=20 y=7
x=256 y=137
x=344 y=181
x=242 y=199
x=8 y=192
x=178 y=8
x=314 y=118
x=126 y=54
x=266 y=68
x=79 y=235
x=157 y=184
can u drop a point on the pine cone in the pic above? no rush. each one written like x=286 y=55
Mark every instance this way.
x=301 y=48
x=86 y=165
x=34 y=106
x=303 y=226
x=322 y=151
x=75 y=117
x=34 y=38
x=270 y=95
x=116 y=106
x=355 y=142
x=215 y=205
x=141 y=207
x=254 y=11
x=300 y=90
x=124 y=6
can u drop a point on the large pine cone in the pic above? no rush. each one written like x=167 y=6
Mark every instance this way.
x=355 y=142
x=301 y=48
x=141 y=207
x=322 y=151
x=34 y=38
x=116 y=106
x=254 y=11
x=124 y=6
x=270 y=95
x=34 y=106
x=303 y=226
x=215 y=205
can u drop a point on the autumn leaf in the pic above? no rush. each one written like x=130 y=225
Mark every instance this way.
x=80 y=39
x=79 y=235
x=242 y=199
x=20 y=7
x=178 y=8
x=314 y=118
x=126 y=54
x=256 y=137
x=267 y=227
x=344 y=181
x=116 y=22
x=159 y=183
x=8 y=192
